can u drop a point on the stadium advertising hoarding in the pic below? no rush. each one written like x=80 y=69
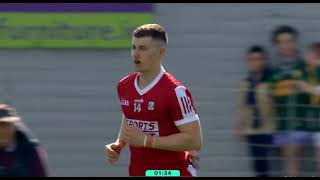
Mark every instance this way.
x=71 y=25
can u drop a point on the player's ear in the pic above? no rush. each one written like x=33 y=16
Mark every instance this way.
x=163 y=51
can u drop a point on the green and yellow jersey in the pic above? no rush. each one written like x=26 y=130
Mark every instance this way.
x=290 y=103
x=313 y=114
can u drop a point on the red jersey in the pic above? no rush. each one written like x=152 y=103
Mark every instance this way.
x=157 y=110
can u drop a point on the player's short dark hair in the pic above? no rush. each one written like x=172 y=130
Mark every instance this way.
x=257 y=49
x=315 y=47
x=284 y=29
x=151 y=30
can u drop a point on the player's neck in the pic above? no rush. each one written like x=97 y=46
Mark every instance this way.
x=256 y=75
x=145 y=78
x=288 y=57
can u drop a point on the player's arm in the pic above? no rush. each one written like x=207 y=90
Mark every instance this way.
x=315 y=90
x=189 y=138
x=120 y=140
x=308 y=88
x=113 y=149
x=186 y=120
x=312 y=89
x=240 y=120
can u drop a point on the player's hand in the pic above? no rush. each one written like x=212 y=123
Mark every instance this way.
x=113 y=152
x=195 y=159
x=300 y=86
x=133 y=136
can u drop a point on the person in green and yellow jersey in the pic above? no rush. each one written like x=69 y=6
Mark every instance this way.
x=290 y=102
x=312 y=87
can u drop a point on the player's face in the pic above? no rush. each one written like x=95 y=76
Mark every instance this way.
x=312 y=57
x=145 y=54
x=7 y=131
x=256 y=62
x=286 y=44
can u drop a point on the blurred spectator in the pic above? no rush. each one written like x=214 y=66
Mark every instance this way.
x=312 y=86
x=255 y=120
x=285 y=41
x=20 y=155
x=290 y=103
